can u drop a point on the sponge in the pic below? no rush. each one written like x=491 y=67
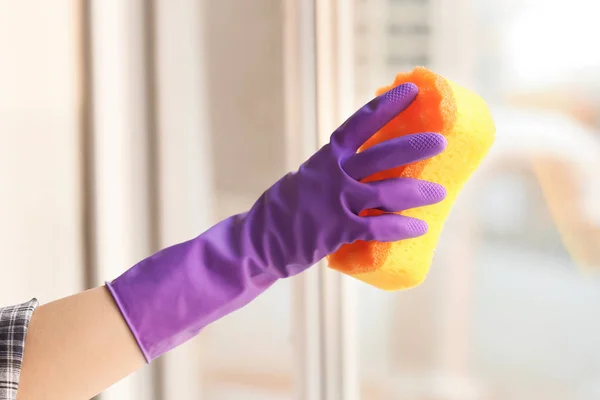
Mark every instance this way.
x=465 y=121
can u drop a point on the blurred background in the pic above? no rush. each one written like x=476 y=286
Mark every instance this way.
x=129 y=125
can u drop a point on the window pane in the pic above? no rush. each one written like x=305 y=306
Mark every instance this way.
x=509 y=309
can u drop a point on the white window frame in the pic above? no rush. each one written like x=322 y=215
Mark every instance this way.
x=126 y=103
x=319 y=87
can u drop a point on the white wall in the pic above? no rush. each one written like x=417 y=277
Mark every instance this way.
x=40 y=223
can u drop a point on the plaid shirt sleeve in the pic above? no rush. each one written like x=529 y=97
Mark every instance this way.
x=14 y=321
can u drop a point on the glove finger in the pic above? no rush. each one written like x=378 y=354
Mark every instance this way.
x=393 y=195
x=372 y=117
x=394 y=153
x=392 y=228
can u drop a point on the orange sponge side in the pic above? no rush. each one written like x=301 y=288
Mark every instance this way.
x=464 y=119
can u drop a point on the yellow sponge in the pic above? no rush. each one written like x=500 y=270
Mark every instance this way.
x=464 y=119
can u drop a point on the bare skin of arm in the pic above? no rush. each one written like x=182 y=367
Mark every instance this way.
x=77 y=347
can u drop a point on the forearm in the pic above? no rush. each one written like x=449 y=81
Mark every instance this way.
x=76 y=347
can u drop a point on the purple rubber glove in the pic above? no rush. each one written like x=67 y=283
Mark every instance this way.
x=169 y=297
